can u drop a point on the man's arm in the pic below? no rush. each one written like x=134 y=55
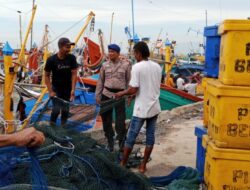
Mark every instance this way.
x=73 y=67
x=134 y=84
x=130 y=98
x=128 y=75
x=27 y=137
x=6 y=140
x=47 y=73
x=100 y=85
x=130 y=91
x=73 y=84
x=48 y=84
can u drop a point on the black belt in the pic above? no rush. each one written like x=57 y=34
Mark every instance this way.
x=113 y=90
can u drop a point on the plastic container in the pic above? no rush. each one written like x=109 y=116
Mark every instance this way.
x=226 y=169
x=84 y=97
x=89 y=97
x=229 y=115
x=200 y=151
x=212 y=52
x=235 y=52
x=205 y=100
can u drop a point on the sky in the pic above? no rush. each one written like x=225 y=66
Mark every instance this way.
x=179 y=20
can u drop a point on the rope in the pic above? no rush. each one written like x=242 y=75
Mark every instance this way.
x=109 y=104
x=14 y=10
x=78 y=163
x=2 y=120
x=32 y=73
x=43 y=107
x=75 y=112
x=72 y=26
x=37 y=175
x=46 y=8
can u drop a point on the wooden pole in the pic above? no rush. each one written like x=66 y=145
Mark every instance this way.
x=91 y=14
x=27 y=120
x=22 y=52
x=9 y=75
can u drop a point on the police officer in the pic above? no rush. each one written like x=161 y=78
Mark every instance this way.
x=114 y=77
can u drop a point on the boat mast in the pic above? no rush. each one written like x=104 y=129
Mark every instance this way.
x=206 y=17
x=158 y=37
x=204 y=39
x=21 y=55
x=45 y=50
x=31 y=30
x=20 y=27
x=9 y=76
x=90 y=16
x=111 y=29
x=100 y=36
x=133 y=20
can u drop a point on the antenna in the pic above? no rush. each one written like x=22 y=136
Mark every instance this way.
x=206 y=17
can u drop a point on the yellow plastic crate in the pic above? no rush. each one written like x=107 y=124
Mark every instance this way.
x=229 y=115
x=226 y=169
x=205 y=100
x=235 y=52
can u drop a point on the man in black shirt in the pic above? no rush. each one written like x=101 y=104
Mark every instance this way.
x=63 y=67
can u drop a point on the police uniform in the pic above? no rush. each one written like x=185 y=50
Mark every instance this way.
x=114 y=77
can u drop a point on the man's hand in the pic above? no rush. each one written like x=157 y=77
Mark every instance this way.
x=118 y=95
x=130 y=98
x=98 y=100
x=28 y=137
x=52 y=94
x=72 y=95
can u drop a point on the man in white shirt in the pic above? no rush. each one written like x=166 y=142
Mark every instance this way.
x=145 y=84
x=191 y=87
x=180 y=83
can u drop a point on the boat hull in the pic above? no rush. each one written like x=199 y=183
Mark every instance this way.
x=169 y=97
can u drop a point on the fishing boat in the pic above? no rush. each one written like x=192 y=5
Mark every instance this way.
x=83 y=111
x=37 y=106
x=93 y=55
x=187 y=69
x=169 y=97
x=84 y=103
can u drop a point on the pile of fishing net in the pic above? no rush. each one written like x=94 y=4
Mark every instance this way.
x=182 y=178
x=72 y=160
x=67 y=160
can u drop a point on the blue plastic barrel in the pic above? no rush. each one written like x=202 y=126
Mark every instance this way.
x=212 y=52
x=200 y=152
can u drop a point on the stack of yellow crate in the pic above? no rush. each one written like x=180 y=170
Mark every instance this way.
x=205 y=100
x=227 y=165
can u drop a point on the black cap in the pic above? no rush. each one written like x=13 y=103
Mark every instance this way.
x=64 y=41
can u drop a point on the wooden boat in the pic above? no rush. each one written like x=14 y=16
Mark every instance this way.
x=169 y=97
x=93 y=55
x=83 y=106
